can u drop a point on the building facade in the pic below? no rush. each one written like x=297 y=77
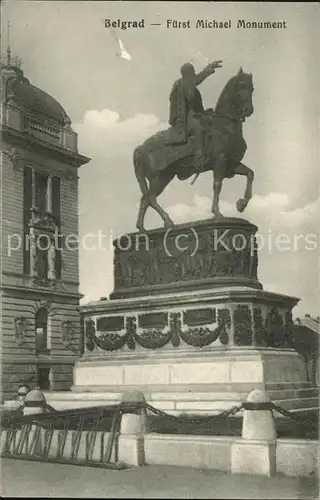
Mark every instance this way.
x=40 y=323
x=307 y=343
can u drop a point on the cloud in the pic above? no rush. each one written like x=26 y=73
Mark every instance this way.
x=102 y=128
x=200 y=208
x=271 y=209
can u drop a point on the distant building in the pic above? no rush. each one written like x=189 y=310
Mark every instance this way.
x=40 y=323
x=307 y=340
x=309 y=322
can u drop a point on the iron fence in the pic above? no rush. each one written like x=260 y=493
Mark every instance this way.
x=89 y=436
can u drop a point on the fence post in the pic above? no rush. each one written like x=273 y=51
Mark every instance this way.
x=132 y=431
x=255 y=453
x=35 y=404
x=22 y=392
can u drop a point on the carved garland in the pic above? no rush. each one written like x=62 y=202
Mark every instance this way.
x=111 y=341
x=155 y=338
x=150 y=339
x=200 y=337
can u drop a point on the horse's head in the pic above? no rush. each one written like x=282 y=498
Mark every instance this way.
x=236 y=97
x=242 y=96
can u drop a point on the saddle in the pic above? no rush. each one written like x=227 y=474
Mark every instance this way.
x=165 y=153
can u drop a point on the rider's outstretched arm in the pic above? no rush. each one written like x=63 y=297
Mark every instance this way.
x=207 y=71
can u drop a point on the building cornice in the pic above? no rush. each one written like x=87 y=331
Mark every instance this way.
x=28 y=142
x=201 y=297
x=35 y=292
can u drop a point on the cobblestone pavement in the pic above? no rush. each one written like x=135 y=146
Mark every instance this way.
x=31 y=479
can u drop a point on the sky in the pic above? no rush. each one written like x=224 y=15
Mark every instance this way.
x=114 y=104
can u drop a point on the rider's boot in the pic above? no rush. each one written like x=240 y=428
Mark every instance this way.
x=198 y=163
x=199 y=149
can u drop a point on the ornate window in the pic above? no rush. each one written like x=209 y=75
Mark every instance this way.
x=41 y=330
x=41 y=220
x=41 y=197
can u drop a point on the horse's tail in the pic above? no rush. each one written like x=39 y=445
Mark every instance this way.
x=138 y=170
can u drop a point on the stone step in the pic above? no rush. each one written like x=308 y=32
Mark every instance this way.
x=298 y=403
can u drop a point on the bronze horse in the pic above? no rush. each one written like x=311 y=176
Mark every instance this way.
x=224 y=149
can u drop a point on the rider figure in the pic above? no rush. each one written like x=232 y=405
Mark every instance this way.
x=187 y=115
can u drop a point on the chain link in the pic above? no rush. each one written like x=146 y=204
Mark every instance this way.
x=293 y=417
x=131 y=407
x=208 y=418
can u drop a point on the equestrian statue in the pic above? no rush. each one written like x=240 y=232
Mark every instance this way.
x=197 y=140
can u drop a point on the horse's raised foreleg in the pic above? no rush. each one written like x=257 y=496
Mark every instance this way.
x=242 y=169
x=217 y=185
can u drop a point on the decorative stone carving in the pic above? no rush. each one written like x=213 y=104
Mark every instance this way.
x=259 y=328
x=200 y=337
x=158 y=320
x=15 y=157
x=131 y=328
x=20 y=329
x=175 y=327
x=253 y=264
x=289 y=329
x=153 y=339
x=242 y=325
x=203 y=334
x=110 y=323
x=275 y=329
x=66 y=329
x=89 y=334
x=197 y=317
x=111 y=341
x=213 y=253
x=43 y=237
x=44 y=303
x=224 y=322
x=196 y=327
x=45 y=222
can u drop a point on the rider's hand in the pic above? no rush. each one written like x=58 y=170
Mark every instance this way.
x=215 y=64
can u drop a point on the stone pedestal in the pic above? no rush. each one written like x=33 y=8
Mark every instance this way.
x=256 y=452
x=204 y=255
x=132 y=431
x=189 y=323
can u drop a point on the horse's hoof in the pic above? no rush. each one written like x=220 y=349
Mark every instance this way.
x=216 y=212
x=168 y=224
x=241 y=204
x=217 y=215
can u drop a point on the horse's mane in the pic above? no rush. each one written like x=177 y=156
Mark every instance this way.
x=227 y=91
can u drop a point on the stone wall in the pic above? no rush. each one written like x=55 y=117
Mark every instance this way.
x=19 y=360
